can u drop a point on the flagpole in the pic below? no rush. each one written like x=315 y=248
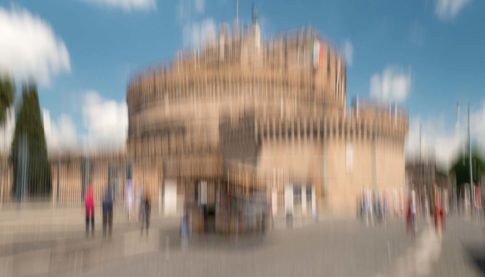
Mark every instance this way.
x=237 y=13
x=472 y=187
x=420 y=143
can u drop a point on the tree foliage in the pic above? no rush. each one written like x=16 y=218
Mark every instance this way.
x=30 y=127
x=7 y=95
x=461 y=169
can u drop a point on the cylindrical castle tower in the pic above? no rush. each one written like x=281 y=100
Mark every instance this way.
x=278 y=110
x=298 y=74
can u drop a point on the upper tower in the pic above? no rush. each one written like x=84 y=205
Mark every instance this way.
x=292 y=74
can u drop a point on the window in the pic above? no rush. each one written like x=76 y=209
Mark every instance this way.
x=202 y=193
x=309 y=195
x=297 y=196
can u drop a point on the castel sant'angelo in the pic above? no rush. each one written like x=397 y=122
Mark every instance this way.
x=244 y=119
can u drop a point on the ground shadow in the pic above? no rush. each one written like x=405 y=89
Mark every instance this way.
x=214 y=241
x=476 y=255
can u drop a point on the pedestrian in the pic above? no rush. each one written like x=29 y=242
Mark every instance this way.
x=411 y=215
x=361 y=207
x=368 y=201
x=129 y=199
x=184 y=230
x=108 y=211
x=89 y=205
x=385 y=206
x=483 y=206
x=139 y=199
x=408 y=216
x=378 y=207
x=438 y=212
x=145 y=209
x=442 y=216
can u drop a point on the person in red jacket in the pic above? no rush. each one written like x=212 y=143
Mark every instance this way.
x=438 y=211
x=409 y=218
x=89 y=204
x=411 y=215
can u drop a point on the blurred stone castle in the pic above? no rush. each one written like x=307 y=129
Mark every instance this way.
x=244 y=117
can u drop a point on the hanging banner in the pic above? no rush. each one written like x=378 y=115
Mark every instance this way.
x=318 y=53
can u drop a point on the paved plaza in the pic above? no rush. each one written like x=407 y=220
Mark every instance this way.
x=51 y=242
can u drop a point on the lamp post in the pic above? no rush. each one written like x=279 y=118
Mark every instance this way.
x=58 y=179
x=470 y=165
x=374 y=173
x=472 y=187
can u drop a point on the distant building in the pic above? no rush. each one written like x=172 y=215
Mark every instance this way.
x=422 y=175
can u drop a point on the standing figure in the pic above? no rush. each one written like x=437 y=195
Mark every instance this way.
x=361 y=204
x=438 y=212
x=442 y=215
x=129 y=199
x=145 y=208
x=411 y=214
x=384 y=206
x=409 y=219
x=108 y=211
x=184 y=230
x=377 y=207
x=368 y=201
x=89 y=205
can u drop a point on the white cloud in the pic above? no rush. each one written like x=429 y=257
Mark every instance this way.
x=448 y=9
x=127 y=5
x=199 y=34
x=106 y=123
x=441 y=141
x=348 y=52
x=29 y=47
x=437 y=141
x=393 y=85
x=61 y=135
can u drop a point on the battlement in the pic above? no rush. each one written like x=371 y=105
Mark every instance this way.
x=386 y=114
x=288 y=51
x=293 y=50
x=298 y=66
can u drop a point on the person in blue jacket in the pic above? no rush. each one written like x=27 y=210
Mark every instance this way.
x=108 y=211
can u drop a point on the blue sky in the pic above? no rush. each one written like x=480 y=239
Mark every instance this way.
x=426 y=55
